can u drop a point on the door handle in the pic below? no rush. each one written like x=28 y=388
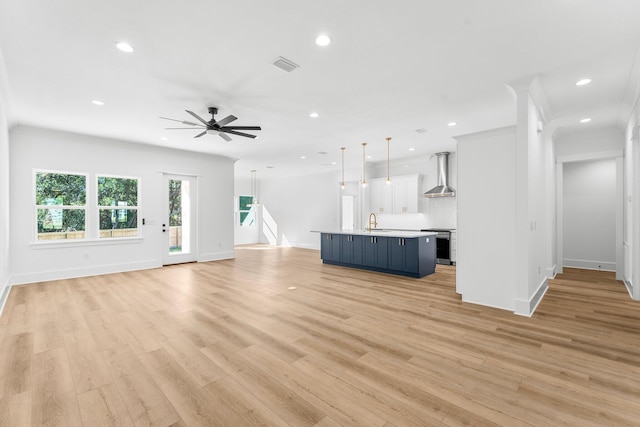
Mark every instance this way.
x=163 y=228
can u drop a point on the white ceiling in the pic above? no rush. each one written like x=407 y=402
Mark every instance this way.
x=393 y=67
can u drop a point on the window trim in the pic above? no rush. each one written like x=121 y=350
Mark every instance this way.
x=241 y=211
x=99 y=208
x=37 y=207
x=91 y=210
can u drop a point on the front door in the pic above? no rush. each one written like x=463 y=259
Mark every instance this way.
x=180 y=225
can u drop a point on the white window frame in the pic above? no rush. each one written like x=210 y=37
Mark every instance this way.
x=91 y=212
x=240 y=211
x=37 y=207
x=116 y=208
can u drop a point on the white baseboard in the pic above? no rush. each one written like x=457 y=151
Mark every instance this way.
x=551 y=272
x=471 y=301
x=46 y=276
x=4 y=296
x=590 y=265
x=629 y=287
x=528 y=307
x=216 y=256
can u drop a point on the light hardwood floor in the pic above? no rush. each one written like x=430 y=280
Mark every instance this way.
x=229 y=344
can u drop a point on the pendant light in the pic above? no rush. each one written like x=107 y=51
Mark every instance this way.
x=254 y=189
x=342 y=182
x=388 y=163
x=364 y=172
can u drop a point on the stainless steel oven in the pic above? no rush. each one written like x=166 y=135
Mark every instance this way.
x=443 y=245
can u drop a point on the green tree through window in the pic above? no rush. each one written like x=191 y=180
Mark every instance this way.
x=247 y=216
x=117 y=206
x=60 y=205
x=175 y=202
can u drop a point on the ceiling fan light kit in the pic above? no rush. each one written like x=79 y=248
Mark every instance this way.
x=215 y=127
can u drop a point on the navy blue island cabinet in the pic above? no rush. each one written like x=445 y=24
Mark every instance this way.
x=407 y=254
x=351 y=249
x=376 y=252
x=330 y=247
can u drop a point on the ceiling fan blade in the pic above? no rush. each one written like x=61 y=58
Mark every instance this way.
x=237 y=133
x=200 y=134
x=184 y=128
x=242 y=128
x=184 y=122
x=198 y=117
x=224 y=136
x=226 y=120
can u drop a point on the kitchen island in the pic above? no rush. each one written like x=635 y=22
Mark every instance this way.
x=407 y=253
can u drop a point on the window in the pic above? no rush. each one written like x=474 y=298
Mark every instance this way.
x=247 y=215
x=117 y=207
x=68 y=193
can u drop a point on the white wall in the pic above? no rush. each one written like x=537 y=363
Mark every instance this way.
x=485 y=272
x=4 y=192
x=34 y=148
x=631 y=236
x=504 y=197
x=244 y=235
x=589 y=214
x=599 y=140
x=292 y=207
x=538 y=199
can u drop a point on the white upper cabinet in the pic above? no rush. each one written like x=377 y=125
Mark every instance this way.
x=381 y=196
x=401 y=196
x=405 y=193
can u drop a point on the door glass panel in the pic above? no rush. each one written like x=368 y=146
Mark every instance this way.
x=179 y=216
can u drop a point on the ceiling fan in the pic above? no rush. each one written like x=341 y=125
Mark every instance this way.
x=215 y=127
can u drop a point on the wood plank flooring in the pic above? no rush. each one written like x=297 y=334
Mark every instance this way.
x=229 y=344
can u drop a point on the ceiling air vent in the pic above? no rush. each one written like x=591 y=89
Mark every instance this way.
x=285 y=64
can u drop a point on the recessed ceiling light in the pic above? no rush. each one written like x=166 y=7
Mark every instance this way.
x=368 y=157
x=585 y=120
x=450 y=124
x=125 y=47
x=583 y=82
x=97 y=102
x=323 y=40
x=412 y=149
x=334 y=163
x=164 y=138
x=303 y=157
x=314 y=115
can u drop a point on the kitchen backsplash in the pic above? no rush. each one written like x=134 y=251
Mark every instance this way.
x=439 y=213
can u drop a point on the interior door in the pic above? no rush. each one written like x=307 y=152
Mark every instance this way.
x=180 y=225
x=348 y=211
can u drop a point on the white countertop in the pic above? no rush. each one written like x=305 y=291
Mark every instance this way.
x=382 y=233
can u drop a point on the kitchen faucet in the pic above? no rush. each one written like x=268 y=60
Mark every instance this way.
x=372 y=221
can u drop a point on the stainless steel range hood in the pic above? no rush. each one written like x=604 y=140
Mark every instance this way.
x=442 y=189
